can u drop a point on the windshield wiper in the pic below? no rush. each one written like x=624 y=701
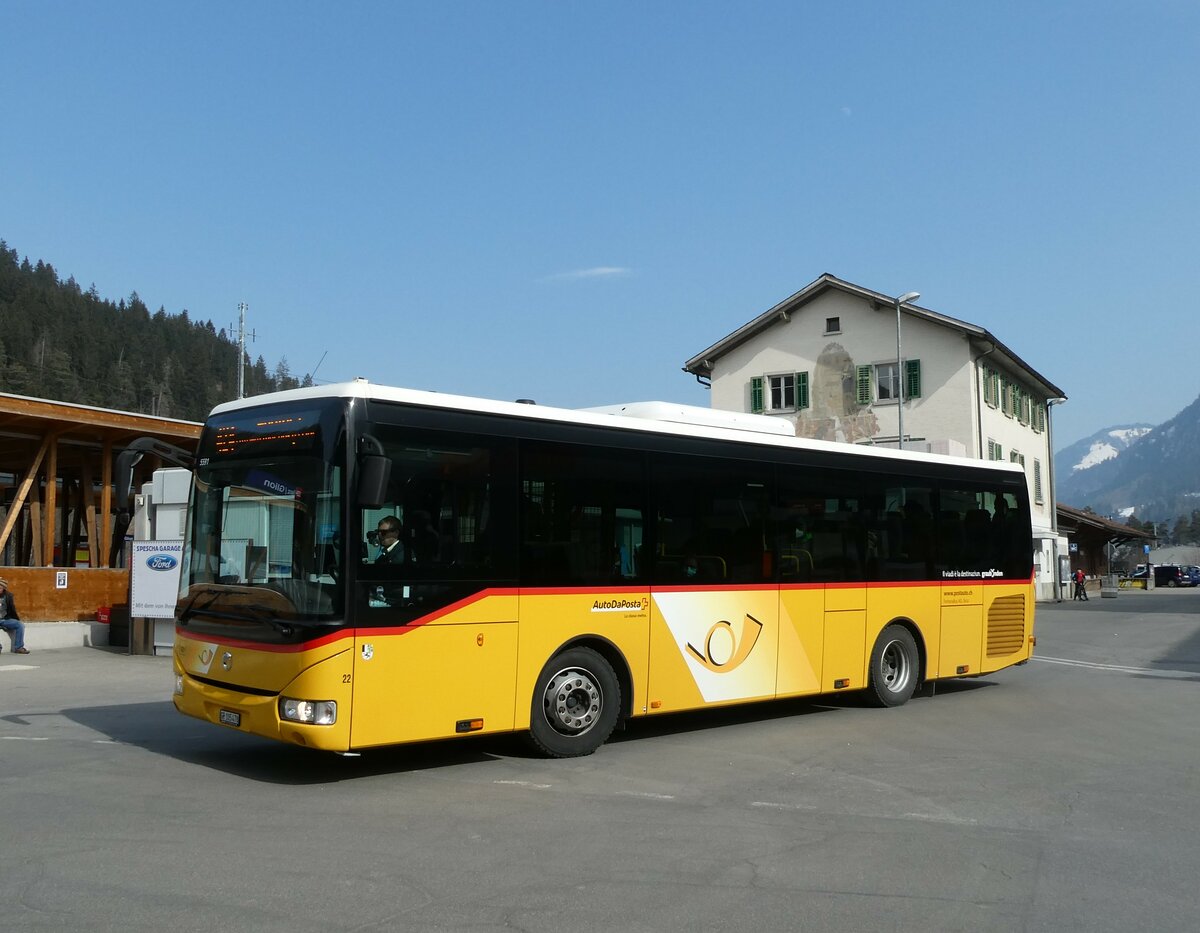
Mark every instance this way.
x=259 y=613
x=192 y=608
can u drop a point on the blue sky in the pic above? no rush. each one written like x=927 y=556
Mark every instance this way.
x=566 y=200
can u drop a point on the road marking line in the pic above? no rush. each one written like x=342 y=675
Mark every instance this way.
x=26 y=738
x=631 y=793
x=1097 y=666
x=524 y=784
x=18 y=667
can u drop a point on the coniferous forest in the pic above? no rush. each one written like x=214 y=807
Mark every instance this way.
x=60 y=342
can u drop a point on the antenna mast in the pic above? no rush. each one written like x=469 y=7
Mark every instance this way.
x=242 y=309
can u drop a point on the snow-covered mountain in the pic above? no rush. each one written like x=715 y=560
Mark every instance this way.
x=1074 y=466
x=1154 y=471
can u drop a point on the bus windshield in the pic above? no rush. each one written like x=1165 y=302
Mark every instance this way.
x=263 y=543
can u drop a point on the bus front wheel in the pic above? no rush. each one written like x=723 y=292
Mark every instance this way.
x=575 y=704
x=894 y=666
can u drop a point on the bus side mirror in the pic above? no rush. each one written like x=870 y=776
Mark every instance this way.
x=374 y=473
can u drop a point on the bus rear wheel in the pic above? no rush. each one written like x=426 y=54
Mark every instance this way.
x=575 y=704
x=895 y=666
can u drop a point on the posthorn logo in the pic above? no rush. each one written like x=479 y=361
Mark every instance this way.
x=161 y=562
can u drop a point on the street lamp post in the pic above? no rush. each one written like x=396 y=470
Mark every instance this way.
x=903 y=299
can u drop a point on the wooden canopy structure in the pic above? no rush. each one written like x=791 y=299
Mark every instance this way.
x=1091 y=534
x=56 y=477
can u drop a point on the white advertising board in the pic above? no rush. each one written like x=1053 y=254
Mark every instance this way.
x=154 y=581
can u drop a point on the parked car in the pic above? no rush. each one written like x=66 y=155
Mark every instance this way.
x=1194 y=573
x=1169 y=575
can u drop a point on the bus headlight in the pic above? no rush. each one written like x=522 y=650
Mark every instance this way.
x=314 y=712
x=178 y=685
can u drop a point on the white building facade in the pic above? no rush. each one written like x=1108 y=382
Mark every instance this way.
x=825 y=359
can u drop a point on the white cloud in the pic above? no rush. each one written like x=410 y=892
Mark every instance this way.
x=596 y=272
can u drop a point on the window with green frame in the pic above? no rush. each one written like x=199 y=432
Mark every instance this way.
x=878 y=382
x=863 y=385
x=779 y=392
x=912 y=378
x=990 y=386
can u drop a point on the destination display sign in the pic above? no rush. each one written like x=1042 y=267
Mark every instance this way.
x=245 y=434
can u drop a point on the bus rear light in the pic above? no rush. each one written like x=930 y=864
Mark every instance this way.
x=313 y=712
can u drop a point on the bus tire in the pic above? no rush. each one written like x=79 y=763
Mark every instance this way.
x=895 y=667
x=575 y=706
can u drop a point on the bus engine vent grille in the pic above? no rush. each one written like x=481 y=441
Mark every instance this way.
x=1006 y=625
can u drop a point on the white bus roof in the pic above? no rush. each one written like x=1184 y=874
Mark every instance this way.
x=651 y=417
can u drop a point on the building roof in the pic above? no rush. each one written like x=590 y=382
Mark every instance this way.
x=26 y=422
x=1072 y=521
x=701 y=365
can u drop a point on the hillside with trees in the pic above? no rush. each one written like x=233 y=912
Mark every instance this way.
x=60 y=342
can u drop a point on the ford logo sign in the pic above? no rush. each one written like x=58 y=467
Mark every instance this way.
x=161 y=562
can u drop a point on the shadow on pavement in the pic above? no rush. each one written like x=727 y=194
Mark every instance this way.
x=158 y=728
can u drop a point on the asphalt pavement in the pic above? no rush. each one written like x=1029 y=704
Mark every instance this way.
x=1060 y=795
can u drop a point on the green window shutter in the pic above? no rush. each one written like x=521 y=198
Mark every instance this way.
x=912 y=378
x=756 y=395
x=801 y=390
x=862 y=383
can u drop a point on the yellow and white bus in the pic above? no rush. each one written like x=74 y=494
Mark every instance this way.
x=368 y=566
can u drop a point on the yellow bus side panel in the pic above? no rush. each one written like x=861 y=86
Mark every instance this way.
x=712 y=647
x=417 y=685
x=845 y=640
x=801 y=641
x=962 y=639
x=921 y=605
x=842 y=597
x=549 y=620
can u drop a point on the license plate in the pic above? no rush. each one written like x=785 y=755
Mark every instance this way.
x=229 y=718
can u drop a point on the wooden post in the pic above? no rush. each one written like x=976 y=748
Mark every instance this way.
x=89 y=510
x=47 y=554
x=35 y=525
x=69 y=526
x=106 y=491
